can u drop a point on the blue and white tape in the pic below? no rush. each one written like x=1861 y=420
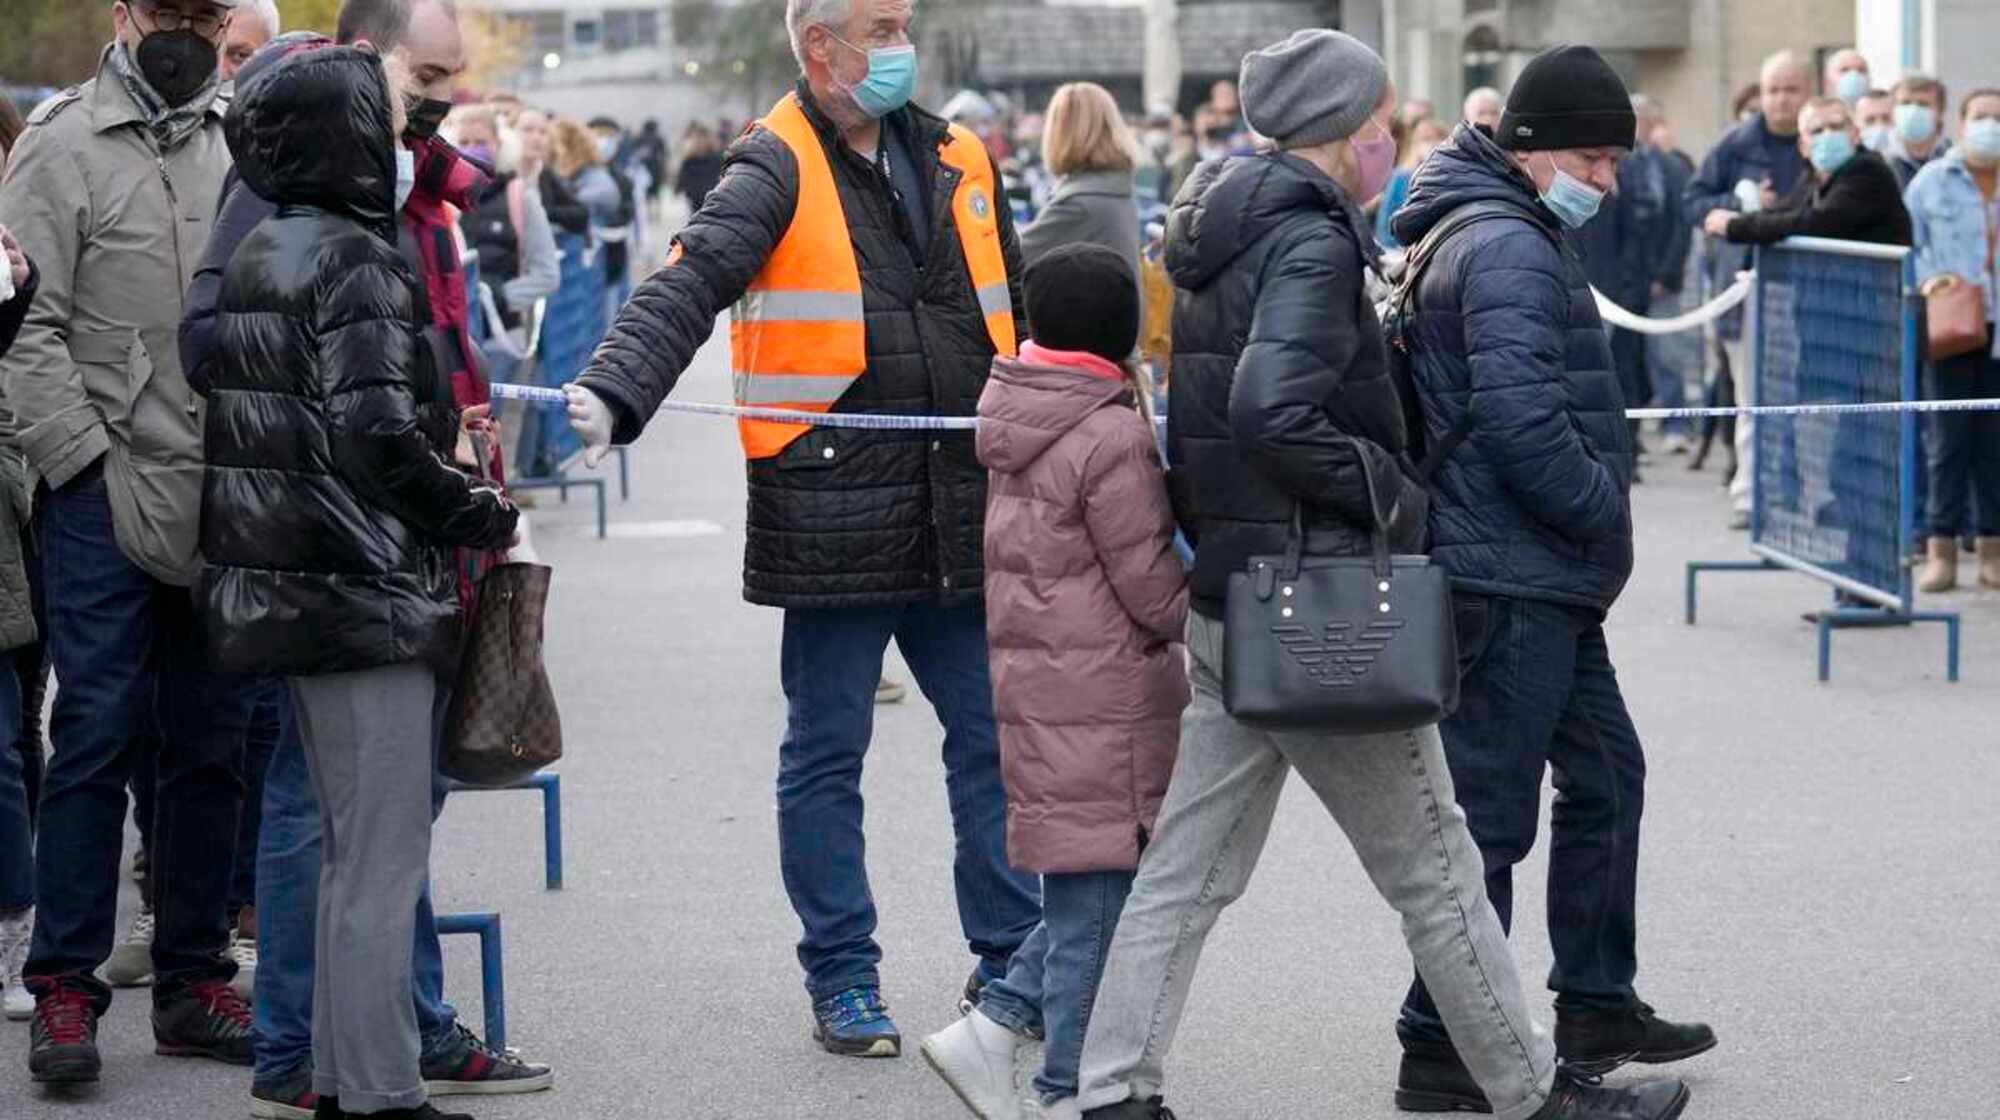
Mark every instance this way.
x=878 y=422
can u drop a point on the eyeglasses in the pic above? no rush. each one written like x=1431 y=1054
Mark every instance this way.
x=206 y=22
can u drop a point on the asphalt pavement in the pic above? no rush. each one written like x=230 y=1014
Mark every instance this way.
x=1818 y=874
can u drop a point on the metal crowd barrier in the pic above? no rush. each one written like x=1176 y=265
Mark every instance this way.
x=1835 y=497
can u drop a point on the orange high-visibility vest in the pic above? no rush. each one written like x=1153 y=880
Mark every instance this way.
x=798 y=337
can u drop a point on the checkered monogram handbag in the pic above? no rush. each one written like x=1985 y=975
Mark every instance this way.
x=502 y=724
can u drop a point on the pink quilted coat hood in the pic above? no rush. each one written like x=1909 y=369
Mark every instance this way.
x=1086 y=605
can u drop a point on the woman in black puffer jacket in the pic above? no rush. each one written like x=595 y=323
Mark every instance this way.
x=328 y=515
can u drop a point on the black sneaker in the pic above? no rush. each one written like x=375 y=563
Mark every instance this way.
x=62 y=1042
x=1132 y=1109
x=203 y=1020
x=290 y=1096
x=1597 y=1042
x=328 y=1109
x=421 y=1112
x=1575 y=1097
x=1433 y=1078
x=463 y=1065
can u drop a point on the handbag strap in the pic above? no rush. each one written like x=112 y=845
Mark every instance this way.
x=1378 y=533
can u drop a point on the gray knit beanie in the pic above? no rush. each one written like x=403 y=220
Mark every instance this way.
x=1314 y=88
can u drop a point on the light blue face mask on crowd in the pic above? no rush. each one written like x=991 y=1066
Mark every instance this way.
x=1878 y=138
x=1831 y=151
x=891 y=80
x=1982 y=139
x=1851 y=86
x=1573 y=201
x=1916 y=123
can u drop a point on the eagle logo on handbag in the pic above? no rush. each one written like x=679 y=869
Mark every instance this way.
x=1339 y=658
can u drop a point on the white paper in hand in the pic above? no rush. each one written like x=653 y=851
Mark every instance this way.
x=524 y=551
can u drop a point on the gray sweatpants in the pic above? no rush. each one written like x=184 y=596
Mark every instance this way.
x=368 y=738
x=1392 y=796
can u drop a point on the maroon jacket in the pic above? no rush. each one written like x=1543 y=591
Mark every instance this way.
x=1086 y=603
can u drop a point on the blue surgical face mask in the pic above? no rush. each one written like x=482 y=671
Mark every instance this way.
x=1573 y=201
x=1982 y=139
x=1878 y=138
x=1916 y=123
x=1851 y=86
x=1831 y=151
x=406 y=175
x=891 y=80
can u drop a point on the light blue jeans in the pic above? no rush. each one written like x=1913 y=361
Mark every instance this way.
x=1392 y=795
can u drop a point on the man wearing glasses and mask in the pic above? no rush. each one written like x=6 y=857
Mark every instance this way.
x=111 y=190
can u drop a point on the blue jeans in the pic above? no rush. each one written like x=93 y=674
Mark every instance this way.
x=17 y=830
x=128 y=654
x=830 y=663
x=1054 y=977
x=1538 y=693
x=288 y=866
x=268 y=702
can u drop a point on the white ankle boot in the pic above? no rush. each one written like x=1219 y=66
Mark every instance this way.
x=975 y=1056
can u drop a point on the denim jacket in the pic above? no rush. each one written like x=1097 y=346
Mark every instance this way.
x=1949 y=220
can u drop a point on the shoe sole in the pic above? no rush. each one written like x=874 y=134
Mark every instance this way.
x=937 y=1066
x=495 y=1088
x=73 y=1072
x=278 y=1110
x=174 y=1050
x=1418 y=1100
x=873 y=1048
x=20 y=1016
x=1602 y=1065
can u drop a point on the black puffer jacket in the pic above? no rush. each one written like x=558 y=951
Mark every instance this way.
x=842 y=517
x=328 y=508
x=1278 y=361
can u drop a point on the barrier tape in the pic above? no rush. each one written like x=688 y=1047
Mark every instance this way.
x=878 y=422
x=1701 y=316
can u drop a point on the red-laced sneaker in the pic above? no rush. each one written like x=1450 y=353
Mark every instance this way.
x=204 y=1020
x=62 y=1046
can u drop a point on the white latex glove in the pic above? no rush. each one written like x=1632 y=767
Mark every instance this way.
x=590 y=418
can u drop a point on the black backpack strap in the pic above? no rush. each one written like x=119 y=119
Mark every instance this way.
x=1403 y=303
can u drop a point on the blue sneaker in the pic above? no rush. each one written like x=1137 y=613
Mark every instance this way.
x=856 y=1023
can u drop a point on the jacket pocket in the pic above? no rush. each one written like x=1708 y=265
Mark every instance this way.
x=820 y=449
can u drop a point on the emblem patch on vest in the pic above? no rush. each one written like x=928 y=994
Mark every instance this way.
x=981 y=208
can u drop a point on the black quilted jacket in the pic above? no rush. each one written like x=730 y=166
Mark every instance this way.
x=842 y=517
x=1280 y=377
x=328 y=509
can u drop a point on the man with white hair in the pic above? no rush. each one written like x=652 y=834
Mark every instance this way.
x=255 y=23
x=1483 y=107
x=1751 y=168
x=1847 y=75
x=869 y=252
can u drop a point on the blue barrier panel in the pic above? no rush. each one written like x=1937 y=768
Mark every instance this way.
x=571 y=331
x=1828 y=492
x=1833 y=497
x=550 y=786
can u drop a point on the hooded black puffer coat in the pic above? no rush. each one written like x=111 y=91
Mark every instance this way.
x=1506 y=339
x=1279 y=373
x=328 y=509
x=843 y=517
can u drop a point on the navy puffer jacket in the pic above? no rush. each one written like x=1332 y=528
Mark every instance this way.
x=1534 y=504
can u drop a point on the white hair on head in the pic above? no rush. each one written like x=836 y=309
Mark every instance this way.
x=802 y=14
x=267 y=11
x=1783 y=60
x=1483 y=95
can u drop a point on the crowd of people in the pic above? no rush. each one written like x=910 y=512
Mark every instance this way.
x=251 y=477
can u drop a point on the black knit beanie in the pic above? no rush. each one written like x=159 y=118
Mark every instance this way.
x=1083 y=296
x=1567 y=97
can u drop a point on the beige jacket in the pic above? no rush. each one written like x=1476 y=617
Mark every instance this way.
x=117 y=229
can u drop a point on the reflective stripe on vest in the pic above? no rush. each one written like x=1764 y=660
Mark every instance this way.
x=798 y=337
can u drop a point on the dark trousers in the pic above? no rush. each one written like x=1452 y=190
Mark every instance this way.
x=1539 y=694
x=832 y=661
x=1964 y=448
x=31 y=671
x=128 y=654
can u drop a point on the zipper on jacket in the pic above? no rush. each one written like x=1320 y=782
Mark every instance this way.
x=174 y=209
